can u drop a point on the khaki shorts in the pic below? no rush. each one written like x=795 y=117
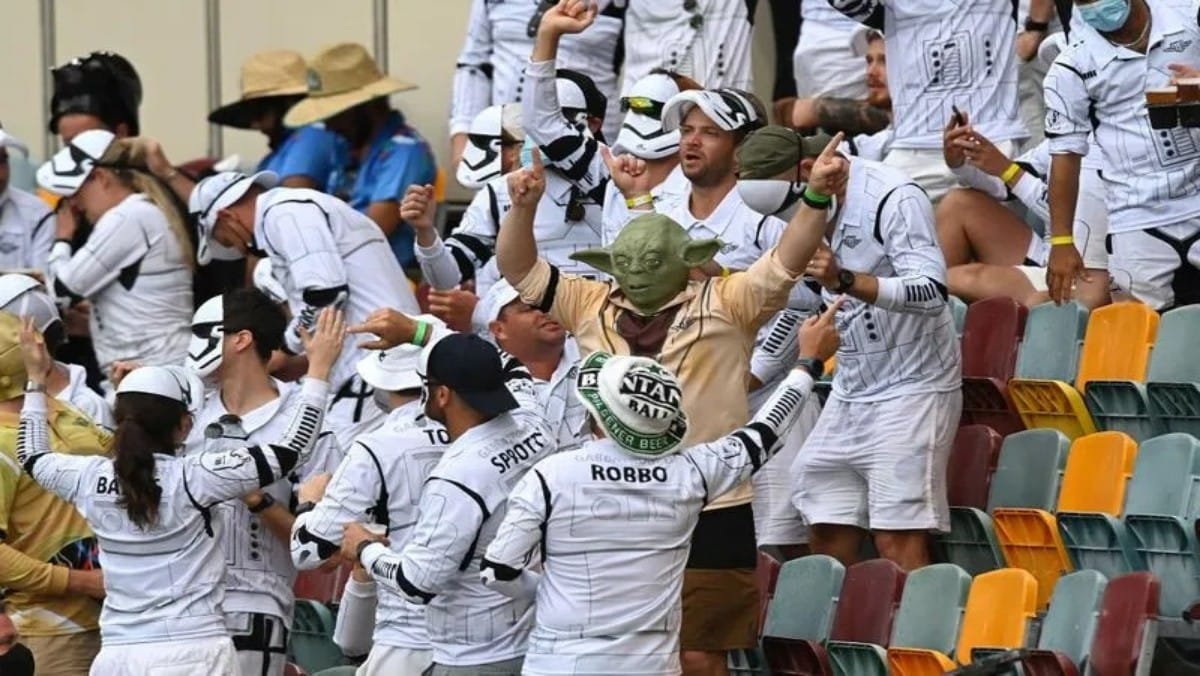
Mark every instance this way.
x=64 y=655
x=720 y=599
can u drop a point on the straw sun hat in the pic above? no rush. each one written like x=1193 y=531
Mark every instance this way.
x=341 y=77
x=265 y=75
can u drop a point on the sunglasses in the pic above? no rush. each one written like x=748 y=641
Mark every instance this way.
x=642 y=105
x=228 y=425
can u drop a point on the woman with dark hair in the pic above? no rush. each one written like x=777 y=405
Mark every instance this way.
x=152 y=511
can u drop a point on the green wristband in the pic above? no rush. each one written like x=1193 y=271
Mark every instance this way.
x=421 y=333
x=814 y=197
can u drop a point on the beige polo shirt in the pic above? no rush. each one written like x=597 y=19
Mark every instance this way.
x=707 y=347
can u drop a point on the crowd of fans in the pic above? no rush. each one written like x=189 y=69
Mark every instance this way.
x=563 y=427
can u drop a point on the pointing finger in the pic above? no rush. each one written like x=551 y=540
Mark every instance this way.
x=828 y=314
x=831 y=148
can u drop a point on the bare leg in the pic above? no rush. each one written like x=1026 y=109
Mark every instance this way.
x=1094 y=292
x=974 y=227
x=704 y=663
x=908 y=549
x=841 y=542
x=977 y=281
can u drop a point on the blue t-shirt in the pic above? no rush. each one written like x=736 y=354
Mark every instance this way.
x=398 y=157
x=309 y=151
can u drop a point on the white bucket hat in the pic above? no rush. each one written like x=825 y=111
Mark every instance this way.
x=7 y=140
x=395 y=369
x=212 y=195
x=481 y=160
x=637 y=401
x=69 y=168
x=642 y=133
x=173 y=382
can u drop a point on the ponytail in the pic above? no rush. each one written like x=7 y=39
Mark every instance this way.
x=127 y=160
x=146 y=425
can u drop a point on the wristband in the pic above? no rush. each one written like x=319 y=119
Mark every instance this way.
x=1062 y=240
x=305 y=507
x=421 y=333
x=725 y=272
x=639 y=201
x=815 y=199
x=1037 y=26
x=263 y=504
x=814 y=367
x=1010 y=173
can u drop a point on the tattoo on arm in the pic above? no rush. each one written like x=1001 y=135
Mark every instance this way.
x=850 y=116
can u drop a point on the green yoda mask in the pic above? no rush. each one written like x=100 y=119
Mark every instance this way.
x=650 y=260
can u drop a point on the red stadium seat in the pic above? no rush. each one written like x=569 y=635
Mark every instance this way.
x=795 y=657
x=972 y=462
x=322 y=586
x=991 y=335
x=290 y=669
x=1130 y=605
x=869 y=600
x=765 y=576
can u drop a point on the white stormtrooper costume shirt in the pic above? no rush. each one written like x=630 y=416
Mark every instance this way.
x=500 y=36
x=133 y=271
x=166 y=583
x=322 y=253
x=614 y=532
x=461 y=506
x=27 y=230
x=379 y=481
x=710 y=43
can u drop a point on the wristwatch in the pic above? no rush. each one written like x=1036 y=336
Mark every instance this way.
x=305 y=507
x=264 y=503
x=1036 y=26
x=845 y=280
x=815 y=367
x=31 y=386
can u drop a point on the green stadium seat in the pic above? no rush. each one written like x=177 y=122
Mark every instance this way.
x=931 y=608
x=1030 y=470
x=959 y=310
x=1053 y=339
x=971 y=543
x=1172 y=390
x=310 y=644
x=1069 y=625
x=806 y=594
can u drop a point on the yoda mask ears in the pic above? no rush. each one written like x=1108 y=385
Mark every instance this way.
x=650 y=260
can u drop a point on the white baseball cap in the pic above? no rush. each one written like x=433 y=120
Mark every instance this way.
x=212 y=195
x=395 y=369
x=642 y=133
x=173 y=382
x=69 y=168
x=481 y=160
x=7 y=140
x=493 y=302
x=729 y=109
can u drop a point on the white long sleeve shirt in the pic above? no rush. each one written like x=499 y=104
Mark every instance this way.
x=165 y=583
x=498 y=43
x=324 y=253
x=380 y=481
x=945 y=53
x=1152 y=176
x=258 y=566
x=27 y=230
x=461 y=506
x=614 y=532
x=905 y=343
x=133 y=271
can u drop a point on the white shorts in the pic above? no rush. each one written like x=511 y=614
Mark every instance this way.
x=879 y=465
x=776 y=520
x=825 y=63
x=209 y=656
x=386 y=660
x=1158 y=266
x=927 y=167
x=1090 y=228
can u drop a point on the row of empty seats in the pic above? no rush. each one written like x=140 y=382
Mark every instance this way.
x=873 y=620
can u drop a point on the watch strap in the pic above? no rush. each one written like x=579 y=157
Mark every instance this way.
x=305 y=507
x=845 y=281
x=814 y=367
x=263 y=504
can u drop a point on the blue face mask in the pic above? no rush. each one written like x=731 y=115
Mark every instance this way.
x=527 y=152
x=1105 y=16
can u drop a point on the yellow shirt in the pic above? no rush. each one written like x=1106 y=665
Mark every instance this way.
x=41 y=536
x=707 y=347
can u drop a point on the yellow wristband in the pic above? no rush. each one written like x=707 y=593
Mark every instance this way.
x=1059 y=240
x=725 y=272
x=639 y=201
x=1010 y=173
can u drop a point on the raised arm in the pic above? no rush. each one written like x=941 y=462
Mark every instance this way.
x=728 y=461
x=806 y=230
x=516 y=248
x=210 y=478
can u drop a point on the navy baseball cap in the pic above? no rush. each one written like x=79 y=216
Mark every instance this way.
x=472 y=368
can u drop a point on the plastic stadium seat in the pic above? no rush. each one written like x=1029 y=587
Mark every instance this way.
x=931 y=608
x=1126 y=626
x=1171 y=389
x=1116 y=347
x=1068 y=627
x=1093 y=495
x=972 y=462
x=1024 y=490
x=991 y=335
x=1000 y=605
x=338 y=671
x=971 y=543
x=870 y=596
x=290 y=669
x=322 y=586
x=310 y=643
x=765 y=576
x=800 y=615
x=1053 y=338
x=958 y=309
